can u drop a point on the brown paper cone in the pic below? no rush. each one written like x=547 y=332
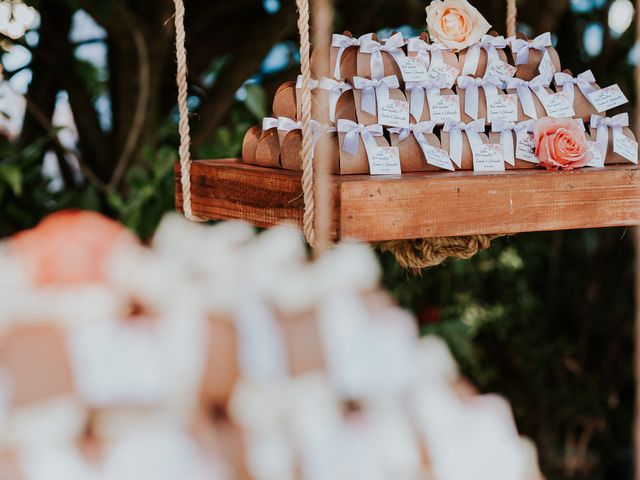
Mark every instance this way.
x=540 y=111
x=363 y=65
x=358 y=164
x=494 y=137
x=250 y=144
x=268 y=149
x=613 y=158
x=291 y=152
x=411 y=157
x=467 y=154
x=366 y=118
x=529 y=70
x=284 y=102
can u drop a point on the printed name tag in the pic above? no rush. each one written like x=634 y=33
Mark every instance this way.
x=546 y=68
x=607 y=98
x=500 y=70
x=444 y=107
x=413 y=69
x=526 y=147
x=394 y=113
x=385 y=161
x=488 y=158
x=503 y=107
x=596 y=155
x=450 y=73
x=558 y=105
x=438 y=158
x=625 y=146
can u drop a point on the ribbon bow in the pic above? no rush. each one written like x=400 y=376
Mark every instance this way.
x=354 y=131
x=521 y=47
x=313 y=84
x=393 y=45
x=455 y=129
x=336 y=89
x=375 y=90
x=268 y=123
x=525 y=89
x=287 y=125
x=602 y=126
x=472 y=87
x=506 y=139
x=342 y=42
x=421 y=49
x=583 y=81
x=436 y=50
x=418 y=90
x=488 y=43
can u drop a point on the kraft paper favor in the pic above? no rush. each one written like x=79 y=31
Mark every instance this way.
x=250 y=144
x=268 y=149
x=467 y=155
x=528 y=71
x=291 y=150
x=484 y=57
x=494 y=137
x=284 y=101
x=581 y=104
x=348 y=61
x=448 y=56
x=411 y=155
x=540 y=111
x=426 y=114
x=612 y=157
x=363 y=64
x=365 y=117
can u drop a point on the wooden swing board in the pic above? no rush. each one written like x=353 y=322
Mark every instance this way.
x=426 y=204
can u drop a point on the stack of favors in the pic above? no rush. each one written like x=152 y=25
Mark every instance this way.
x=120 y=361
x=486 y=103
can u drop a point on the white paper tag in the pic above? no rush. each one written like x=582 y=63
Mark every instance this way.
x=558 y=105
x=496 y=68
x=503 y=107
x=385 y=161
x=546 y=68
x=444 y=107
x=596 y=156
x=450 y=73
x=526 y=147
x=607 y=98
x=439 y=158
x=413 y=69
x=625 y=146
x=394 y=113
x=488 y=157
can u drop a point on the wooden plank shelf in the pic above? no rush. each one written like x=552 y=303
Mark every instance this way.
x=427 y=204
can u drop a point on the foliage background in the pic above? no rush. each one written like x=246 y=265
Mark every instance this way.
x=546 y=319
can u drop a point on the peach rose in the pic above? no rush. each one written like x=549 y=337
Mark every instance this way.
x=455 y=23
x=561 y=143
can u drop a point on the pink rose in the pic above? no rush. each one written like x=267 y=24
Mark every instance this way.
x=455 y=23
x=561 y=143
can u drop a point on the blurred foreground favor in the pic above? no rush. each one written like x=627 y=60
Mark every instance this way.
x=216 y=353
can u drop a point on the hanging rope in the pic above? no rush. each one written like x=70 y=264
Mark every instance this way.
x=512 y=14
x=183 y=127
x=307 y=162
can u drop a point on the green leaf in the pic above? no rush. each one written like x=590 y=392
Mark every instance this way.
x=256 y=101
x=12 y=176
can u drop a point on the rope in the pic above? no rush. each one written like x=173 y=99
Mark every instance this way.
x=424 y=253
x=307 y=162
x=183 y=127
x=512 y=13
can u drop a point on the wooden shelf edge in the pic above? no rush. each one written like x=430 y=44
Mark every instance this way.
x=428 y=204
